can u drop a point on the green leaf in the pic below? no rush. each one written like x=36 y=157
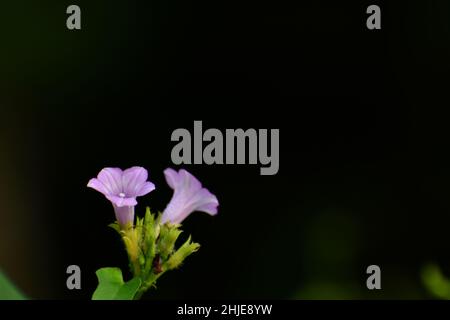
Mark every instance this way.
x=8 y=291
x=112 y=287
x=129 y=289
x=435 y=281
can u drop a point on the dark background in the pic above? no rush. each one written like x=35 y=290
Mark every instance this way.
x=363 y=114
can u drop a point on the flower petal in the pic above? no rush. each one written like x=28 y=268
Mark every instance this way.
x=147 y=187
x=209 y=208
x=190 y=182
x=172 y=178
x=207 y=202
x=124 y=215
x=96 y=184
x=133 y=180
x=122 y=202
x=188 y=196
x=111 y=179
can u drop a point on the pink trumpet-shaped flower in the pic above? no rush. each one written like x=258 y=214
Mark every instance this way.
x=122 y=188
x=188 y=196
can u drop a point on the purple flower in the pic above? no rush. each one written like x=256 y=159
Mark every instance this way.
x=188 y=196
x=122 y=188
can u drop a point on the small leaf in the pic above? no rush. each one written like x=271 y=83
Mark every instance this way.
x=129 y=289
x=114 y=226
x=8 y=290
x=435 y=281
x=112 y=287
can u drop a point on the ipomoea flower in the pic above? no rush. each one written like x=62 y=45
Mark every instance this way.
x=188 y=196
x=122 y=188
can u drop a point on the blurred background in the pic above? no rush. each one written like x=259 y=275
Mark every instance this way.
x=363 y=117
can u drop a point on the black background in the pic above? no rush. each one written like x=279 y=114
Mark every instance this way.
x=363 y=151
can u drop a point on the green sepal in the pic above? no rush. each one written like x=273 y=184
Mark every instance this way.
x=114 y=226
x=166 y=244
x=176 y=259
x=152 y=232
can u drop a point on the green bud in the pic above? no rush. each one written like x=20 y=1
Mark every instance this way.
x=139 y=222
x=182 y=253
x=151 y=230
x=141 y=260
x=139 y=231
x=149 y=218
x=168 y=237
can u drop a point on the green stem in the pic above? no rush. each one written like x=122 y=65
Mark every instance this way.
x=147 y=284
